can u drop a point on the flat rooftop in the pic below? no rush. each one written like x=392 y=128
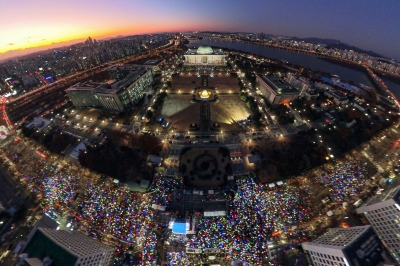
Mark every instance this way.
x=42 y=246
x=106 y=89
x=393 y=193
x=341 y=237
x=112 y=86
x=152 y=62
x=87 y=85
x=279 y=85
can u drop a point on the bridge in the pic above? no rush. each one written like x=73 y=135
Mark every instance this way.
x=381 y=85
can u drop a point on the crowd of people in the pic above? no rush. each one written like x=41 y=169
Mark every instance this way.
x=55 y=186
x=177 y=258
x=109 y=209
x=258 y=212
x=345 y=181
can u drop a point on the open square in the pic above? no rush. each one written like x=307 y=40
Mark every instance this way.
x=205 y=167
x=180 y=111
x=228 y=110
x=187 y=81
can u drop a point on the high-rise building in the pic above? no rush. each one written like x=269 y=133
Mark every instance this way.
x=69 y=248
x=383 y=213
x=357 y=245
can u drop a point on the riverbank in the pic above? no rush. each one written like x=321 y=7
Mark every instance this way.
x=311 y=61
x=393 y=77
x=286 y=64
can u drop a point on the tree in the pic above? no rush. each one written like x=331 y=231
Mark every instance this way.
x=149 y=144
x=149 y=114
x=59 y=143
x=256 y=118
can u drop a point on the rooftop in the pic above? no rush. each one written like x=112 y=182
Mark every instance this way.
x=393 y=193
x=77 y=150
x=46 y=222
x=39 y=122
x=204 y=50
x=153 y=62
x=341 y=237
x=106 y=88
x=75 y=243
x=87 y=85
x=34 y=262
x=111 y=87
x=41 y=246
x=278 y=85
x=132 y=77
x=155 y=160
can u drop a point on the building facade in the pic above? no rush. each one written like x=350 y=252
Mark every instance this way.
x=68 y=248
x=356 y=246
x=204 y=55
x=109 y=99
x=383 y=213
x=132 y=88
x=119 y=94
x=276 y=89
x=82 y=94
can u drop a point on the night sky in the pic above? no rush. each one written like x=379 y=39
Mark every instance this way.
x=371 y=25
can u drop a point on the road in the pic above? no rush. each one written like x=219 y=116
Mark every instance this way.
x=33 y=96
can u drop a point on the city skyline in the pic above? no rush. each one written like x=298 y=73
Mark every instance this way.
x=370 y=26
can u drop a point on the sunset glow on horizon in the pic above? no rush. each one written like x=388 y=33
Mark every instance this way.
x=36 y=23
x=46 y=22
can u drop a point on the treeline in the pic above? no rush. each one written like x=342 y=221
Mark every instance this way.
x=344 y=139
x=160 y=100
x=123 y=156
x=289 y=157
x=54 y=141
x=253 y=106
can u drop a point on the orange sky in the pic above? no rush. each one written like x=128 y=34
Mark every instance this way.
x=43 y=22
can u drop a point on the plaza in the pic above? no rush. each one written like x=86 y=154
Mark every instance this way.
x=205 y=167
x=181 y=111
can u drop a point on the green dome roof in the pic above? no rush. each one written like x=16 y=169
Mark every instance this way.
x=205 y=50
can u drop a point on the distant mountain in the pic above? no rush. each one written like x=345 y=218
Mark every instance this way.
x=17 y=53
x=338 y=44
x=112 y=37
x=344 y=46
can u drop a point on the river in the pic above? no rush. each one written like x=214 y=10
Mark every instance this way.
x=306 y=60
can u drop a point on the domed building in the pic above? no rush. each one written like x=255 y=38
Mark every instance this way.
x=205 y=50
x=205 y=55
